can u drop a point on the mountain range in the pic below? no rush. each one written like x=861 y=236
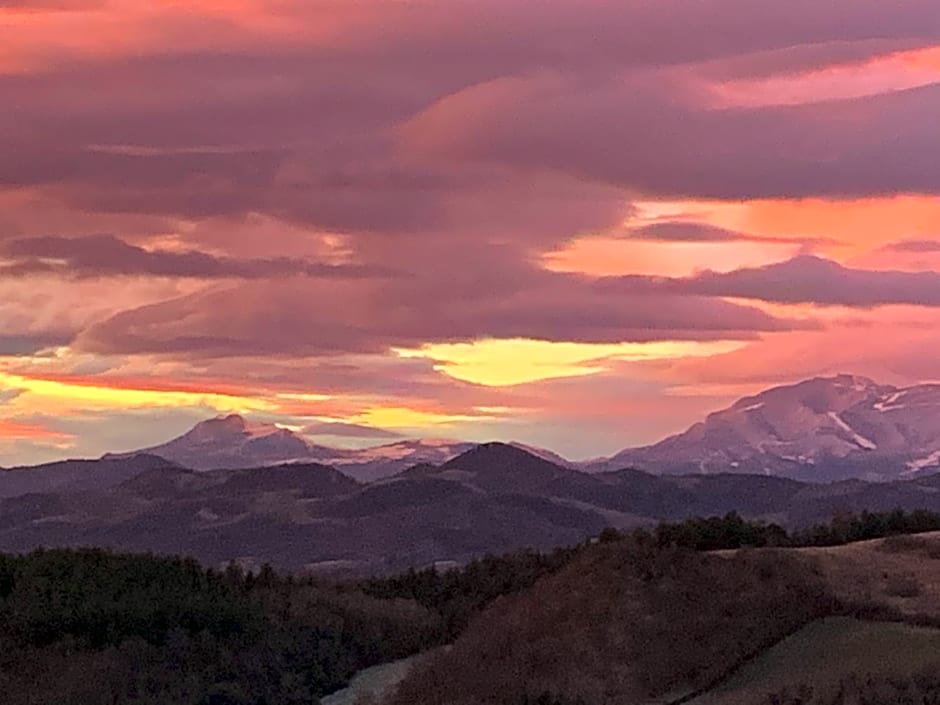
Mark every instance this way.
x=232 y=442
x=819 y=430
x=231 y=490
x=493 y=498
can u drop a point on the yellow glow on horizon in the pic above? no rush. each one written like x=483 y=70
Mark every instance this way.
x=96 y=396
x=405 y=418
x=503 y=363
x=296 y=396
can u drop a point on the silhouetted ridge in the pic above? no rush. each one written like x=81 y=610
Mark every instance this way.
x=78 y=475
x=163 y=483
x=308 y=479
x=147 y=461
x=499 y=467
x=488 y=454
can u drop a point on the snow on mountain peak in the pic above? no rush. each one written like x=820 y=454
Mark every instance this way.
x=846 y=425
x=229 y=426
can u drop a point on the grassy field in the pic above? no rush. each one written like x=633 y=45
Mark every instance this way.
x=825 y=651
x=901 y=572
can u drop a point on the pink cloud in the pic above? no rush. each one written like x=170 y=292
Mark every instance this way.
x=805 y=279
x=109 y=256
x=303 y=318
x=645 y=136
x=295 y=188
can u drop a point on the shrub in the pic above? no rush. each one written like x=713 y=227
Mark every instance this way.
x=902 y=585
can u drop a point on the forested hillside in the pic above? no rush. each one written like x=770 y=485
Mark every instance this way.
x=92 y=628
x=624 y=622
x=89 y=627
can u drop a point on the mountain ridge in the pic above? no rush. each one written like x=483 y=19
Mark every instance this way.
x=233 y=442
x=495 y=498
x=823 y=429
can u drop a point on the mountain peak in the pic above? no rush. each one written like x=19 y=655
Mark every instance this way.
x=819 y=394
x=233 y=424
x=494 y=450
x=232 y=441
x=230 y=421
x=505 y=468
x=823 y=428
x=220 y=424
x=852 y=382
x=841 y=380
x=235 y=442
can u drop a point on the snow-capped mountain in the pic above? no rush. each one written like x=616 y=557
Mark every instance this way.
x=232 y=442
x=369 y=464
x=821 y=429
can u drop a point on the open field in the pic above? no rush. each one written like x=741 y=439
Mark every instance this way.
x=897 y=576
x=825 y=651
x=899 y=572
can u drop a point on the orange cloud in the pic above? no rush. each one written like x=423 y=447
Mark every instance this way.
x=609 y=256
x=12 y=430
x=63 y=394
x=145 y=384
x=843 y=229
x=861 y=224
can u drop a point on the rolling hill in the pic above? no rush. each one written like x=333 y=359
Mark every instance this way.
x=627 y=622
x=622 y=624
x=308 y=516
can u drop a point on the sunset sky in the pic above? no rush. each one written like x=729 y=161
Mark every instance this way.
x=581 y=224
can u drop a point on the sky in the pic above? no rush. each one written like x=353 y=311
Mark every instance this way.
x=581 y=224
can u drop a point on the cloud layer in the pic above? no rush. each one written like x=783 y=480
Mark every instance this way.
x=264 y=204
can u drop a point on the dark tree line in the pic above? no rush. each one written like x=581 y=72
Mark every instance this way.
x=731 y=531
x=849 y=527
x=459 y=593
